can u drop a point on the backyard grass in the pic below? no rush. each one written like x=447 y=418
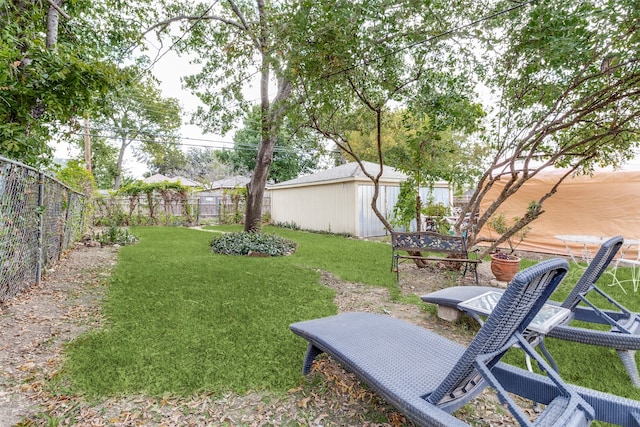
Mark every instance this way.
x=590 y=366
x=183 y=320
x=353 y=260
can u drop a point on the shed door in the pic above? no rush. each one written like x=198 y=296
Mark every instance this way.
x=368 y=223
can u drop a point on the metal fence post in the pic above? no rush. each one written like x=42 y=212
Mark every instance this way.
x=63 y=232
x=40 y=211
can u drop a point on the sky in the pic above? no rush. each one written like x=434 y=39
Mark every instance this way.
x=169 y=69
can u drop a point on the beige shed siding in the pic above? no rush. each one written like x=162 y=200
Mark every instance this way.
x=338 y=200
x=307 y=206
x=368 y=223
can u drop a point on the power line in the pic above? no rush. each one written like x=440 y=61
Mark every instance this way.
x=150 y=137
x=166 y=136
x=220 y=145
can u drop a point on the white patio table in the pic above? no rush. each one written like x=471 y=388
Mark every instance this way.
x=590 y=245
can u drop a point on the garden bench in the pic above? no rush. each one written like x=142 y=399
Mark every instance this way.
x=429 y=241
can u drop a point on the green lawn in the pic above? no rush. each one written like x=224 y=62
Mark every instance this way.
x=183 y=320
x=592 y=366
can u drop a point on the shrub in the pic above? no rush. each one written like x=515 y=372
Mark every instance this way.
x=116 y=235
x=241 y=243
x=290 y=225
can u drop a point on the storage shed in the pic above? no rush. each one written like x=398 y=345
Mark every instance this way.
x=338 y=200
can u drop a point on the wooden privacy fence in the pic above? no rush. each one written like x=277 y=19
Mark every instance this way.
x=171 y=209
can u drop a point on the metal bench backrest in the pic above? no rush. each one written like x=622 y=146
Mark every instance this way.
x=428 y=240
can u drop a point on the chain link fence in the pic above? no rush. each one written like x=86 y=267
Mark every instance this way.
x=39 y=218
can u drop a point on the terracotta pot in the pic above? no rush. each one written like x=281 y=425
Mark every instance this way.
x=505 y=269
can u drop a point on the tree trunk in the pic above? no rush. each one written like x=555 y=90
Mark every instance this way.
x=118 y=174
x=272 y=114
x=376 y=179
x=255 y=188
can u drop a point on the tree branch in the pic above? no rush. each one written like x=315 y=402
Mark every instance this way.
x=165 y=23
x=53 y=4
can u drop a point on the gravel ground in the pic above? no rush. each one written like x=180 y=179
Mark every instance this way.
x=35 y=325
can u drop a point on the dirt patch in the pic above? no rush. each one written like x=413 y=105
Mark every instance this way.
x=35 y=325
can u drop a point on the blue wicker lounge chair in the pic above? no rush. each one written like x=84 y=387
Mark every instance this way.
x=427 y=376
x=623 y=335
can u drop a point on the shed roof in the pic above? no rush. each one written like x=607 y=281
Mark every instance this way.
x=345 y=172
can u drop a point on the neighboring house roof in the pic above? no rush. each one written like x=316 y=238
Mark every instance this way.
x=345 y=172
x=187 y=182
x=160 y=178
x=155 y=178
x=230 y=182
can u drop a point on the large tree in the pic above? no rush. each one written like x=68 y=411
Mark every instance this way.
x=138 y=114
x=48 y=76
x=567 y=76
x=355 y=61
x=61 y=58
x=235 y=41
x=568 y=79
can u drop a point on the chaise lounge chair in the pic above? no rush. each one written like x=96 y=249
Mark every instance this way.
x=428 y=376
x=624 y=324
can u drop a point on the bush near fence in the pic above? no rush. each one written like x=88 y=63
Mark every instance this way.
x=169 y=203
x=39 y=218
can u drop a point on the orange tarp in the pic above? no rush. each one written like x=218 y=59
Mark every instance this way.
x=603 y=205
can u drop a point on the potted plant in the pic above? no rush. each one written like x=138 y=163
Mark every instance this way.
x=435 y=218
x=505 y=265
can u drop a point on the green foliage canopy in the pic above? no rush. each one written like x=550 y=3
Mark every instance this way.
x=236 y=40
x=138 y=113
x=297 y=151
x=41 y=87
x=78 y=178
x=567 y=76
x=357 y=61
